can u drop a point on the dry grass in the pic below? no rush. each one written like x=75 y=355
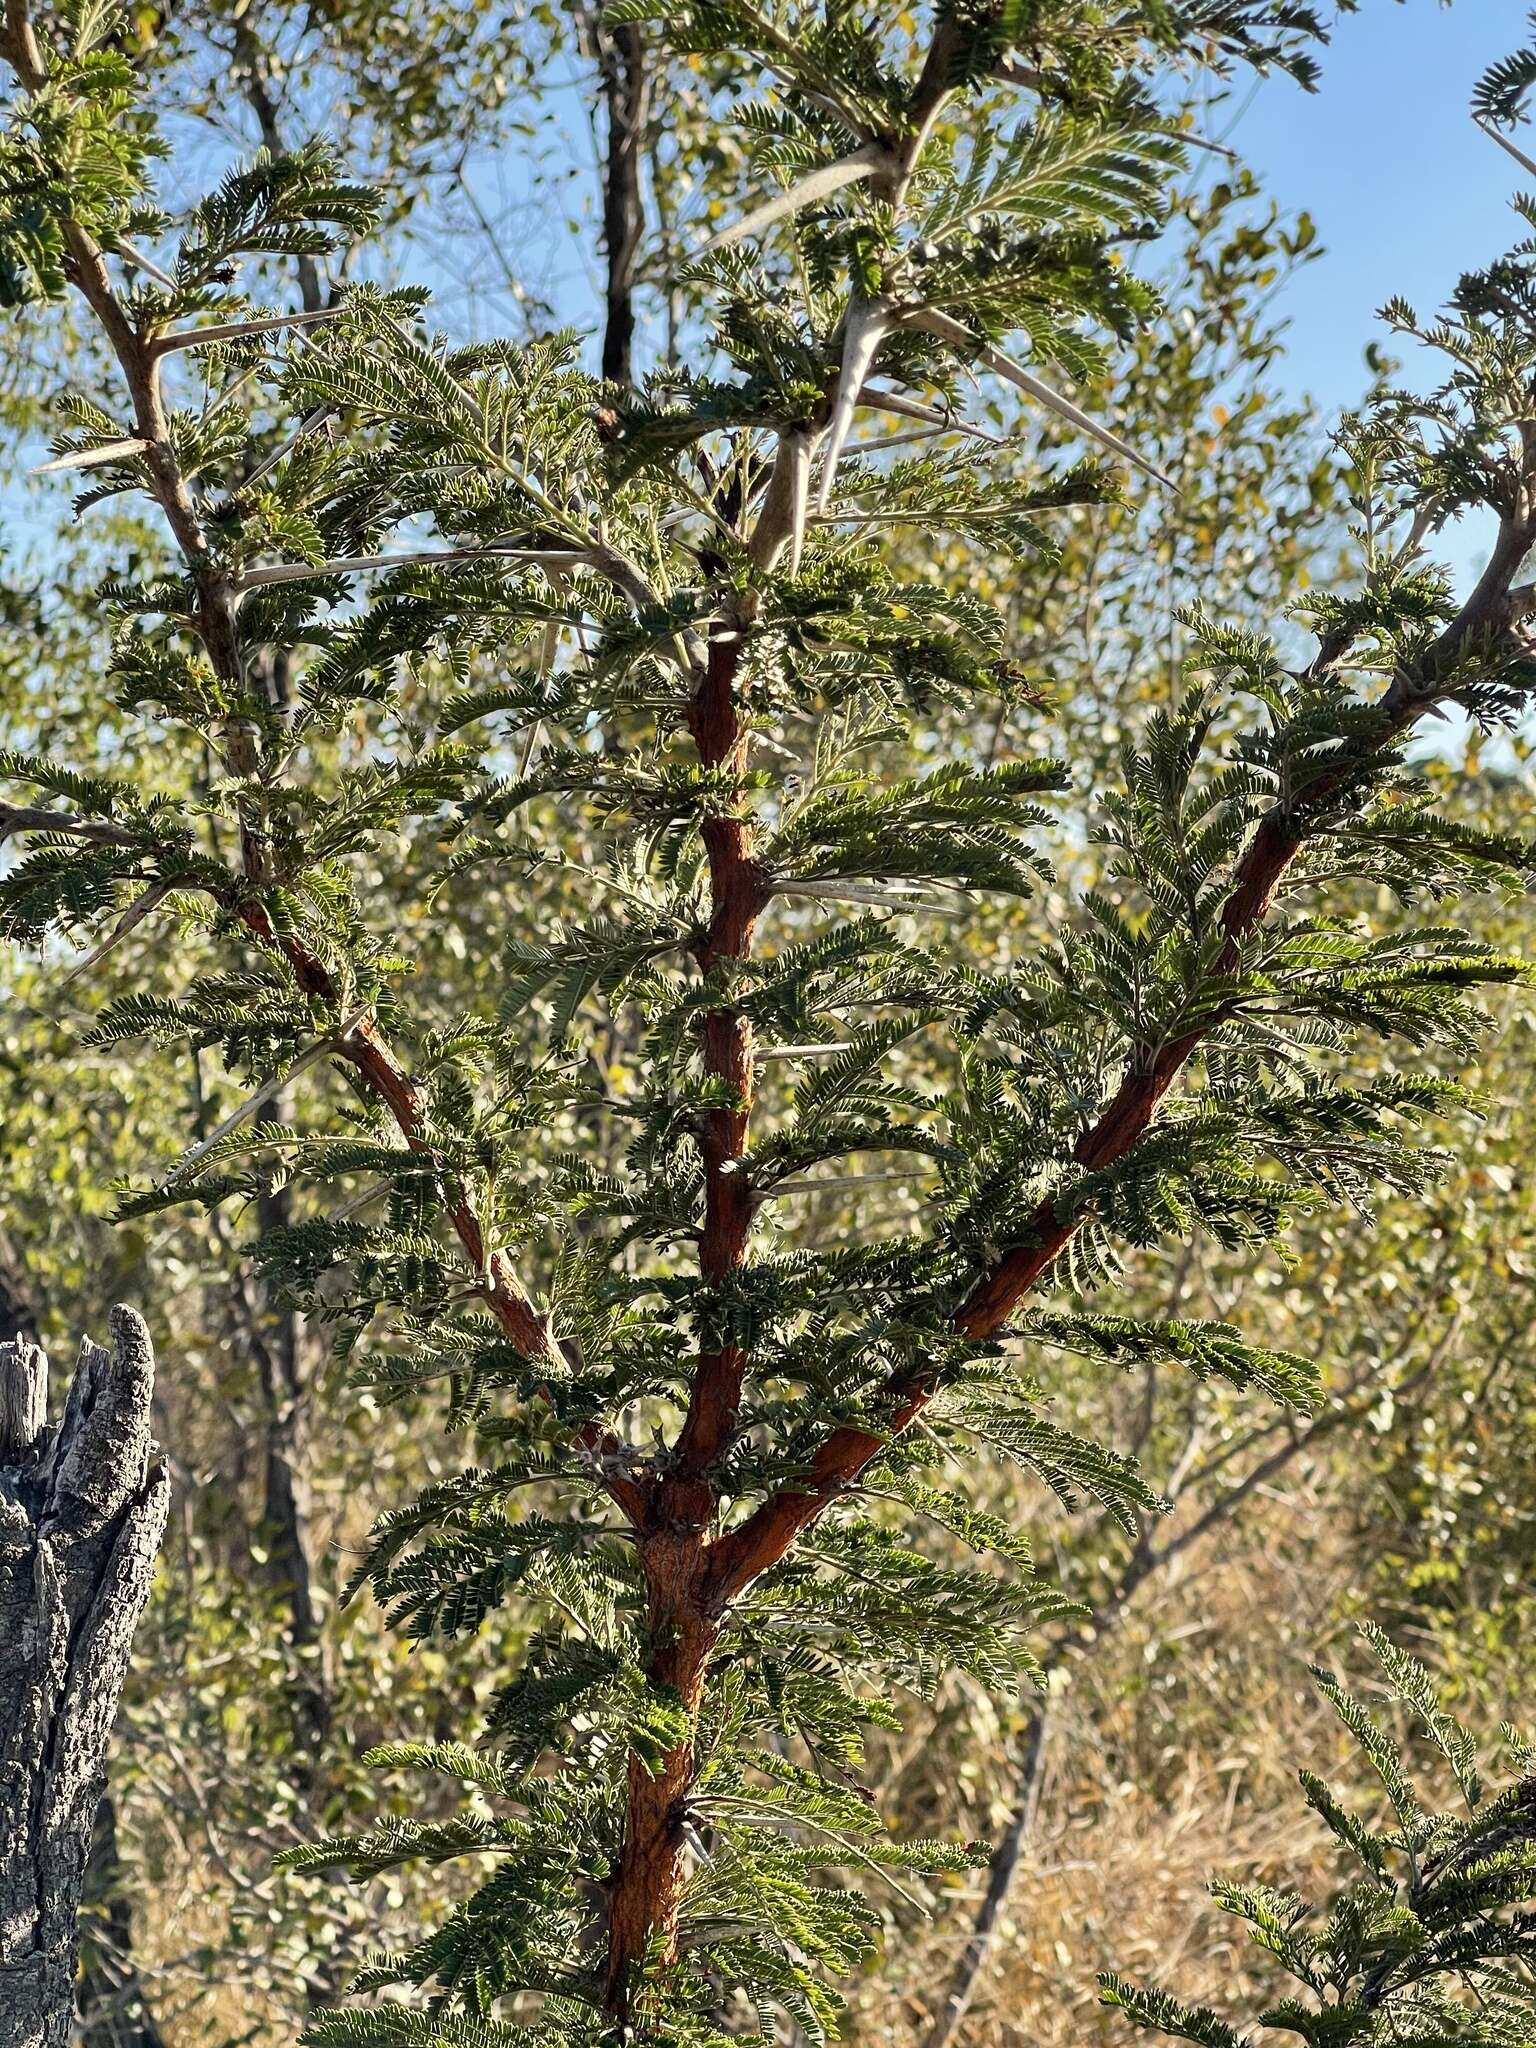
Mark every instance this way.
x=1172 y=1759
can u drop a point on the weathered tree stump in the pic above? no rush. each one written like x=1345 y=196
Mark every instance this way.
x=82 y=1512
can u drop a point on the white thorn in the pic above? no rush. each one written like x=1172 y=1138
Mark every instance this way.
x=141 y=262
x=89 y=458
x=238 y=330
x=850 y=892
x=875 y=399
x=798 y=453
x=1526 y=163
x=135 y=914
x=865 y=326
x=804 y=192
x=264 y=1094
x=352 y=565
x=802 y=1052
x=833 y=1184
x=306 y=426
x=360 y=1202
x=1004 y=366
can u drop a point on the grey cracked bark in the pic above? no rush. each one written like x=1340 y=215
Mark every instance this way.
x=82 y=1511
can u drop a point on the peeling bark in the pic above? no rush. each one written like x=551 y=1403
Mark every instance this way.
x=82 y=1511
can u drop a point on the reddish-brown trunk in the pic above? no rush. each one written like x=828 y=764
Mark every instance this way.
x=647 y=1890
x=765 y=1536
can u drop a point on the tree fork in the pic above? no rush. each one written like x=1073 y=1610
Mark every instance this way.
x=1494 y=609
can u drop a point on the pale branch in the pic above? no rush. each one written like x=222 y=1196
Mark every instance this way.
x=16 y=818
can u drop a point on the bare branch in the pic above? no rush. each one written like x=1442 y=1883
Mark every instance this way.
x=16 y=818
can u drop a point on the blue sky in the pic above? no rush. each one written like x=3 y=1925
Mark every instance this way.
x=1406 y=191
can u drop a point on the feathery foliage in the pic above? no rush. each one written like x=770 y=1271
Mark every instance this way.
x=649 y=651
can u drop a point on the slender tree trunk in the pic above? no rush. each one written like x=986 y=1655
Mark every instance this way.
x=277 y=1341
x=647 y=1891
x=82 y=1512
x=1005 y=1863
x=684 y=1605
x=625 y=74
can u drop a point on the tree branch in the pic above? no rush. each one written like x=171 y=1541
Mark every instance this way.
x=1494 y=606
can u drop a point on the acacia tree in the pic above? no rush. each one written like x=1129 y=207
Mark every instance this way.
x=673 y=613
